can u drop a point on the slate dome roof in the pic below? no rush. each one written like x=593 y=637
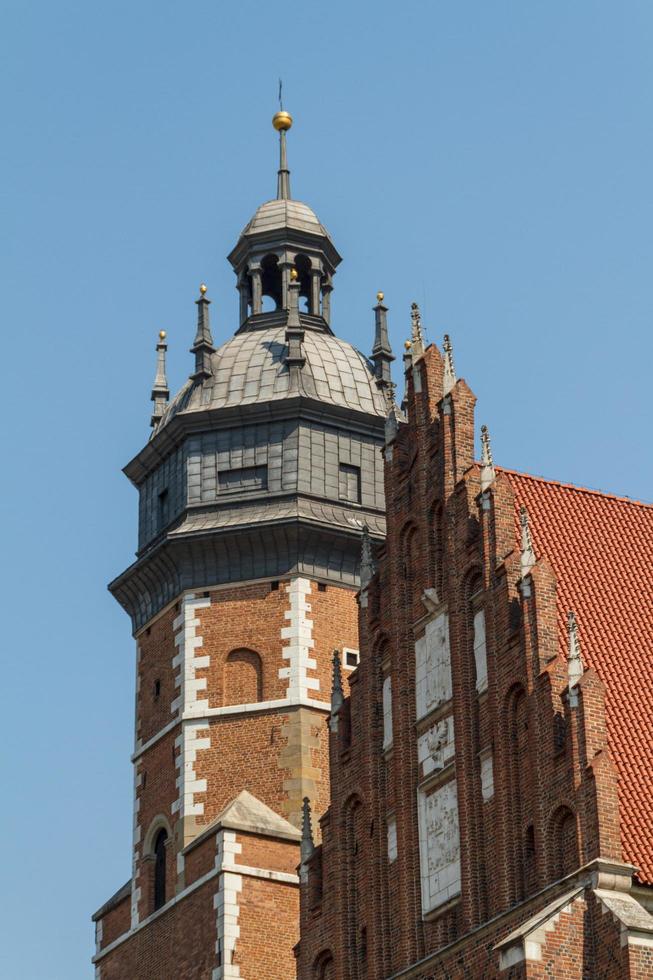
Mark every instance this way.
x=278 y=214
x=250 y=368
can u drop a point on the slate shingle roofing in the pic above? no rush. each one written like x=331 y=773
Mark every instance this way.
x=281 y=214
x=601 y=549
x=250 y=368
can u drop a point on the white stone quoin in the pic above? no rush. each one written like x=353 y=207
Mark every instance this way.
x=433 y=666
x=225 y=902
x=189 y=704
x=298 y=637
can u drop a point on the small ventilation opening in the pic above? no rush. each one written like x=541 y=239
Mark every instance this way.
x=274 y=586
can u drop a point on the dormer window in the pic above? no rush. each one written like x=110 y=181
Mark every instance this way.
x=350 y=483
x=245 y=478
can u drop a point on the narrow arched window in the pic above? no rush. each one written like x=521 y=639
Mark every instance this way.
x=160 y=869
x=243 y=678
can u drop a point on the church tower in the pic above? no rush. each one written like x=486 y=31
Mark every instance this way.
x=254 y=488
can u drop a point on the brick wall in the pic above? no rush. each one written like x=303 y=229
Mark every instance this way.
x=230 y=689
x=494 y=787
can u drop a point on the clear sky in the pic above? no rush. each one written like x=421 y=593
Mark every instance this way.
x=490 y=160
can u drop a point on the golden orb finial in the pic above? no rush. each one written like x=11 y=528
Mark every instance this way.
x=408 y=345
x=162 y=335
x=202 y=288
x=282 y=120
x=293 y=274
x=380 y=297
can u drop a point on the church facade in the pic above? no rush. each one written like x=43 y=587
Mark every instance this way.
x=392 y=704
x=491 y=767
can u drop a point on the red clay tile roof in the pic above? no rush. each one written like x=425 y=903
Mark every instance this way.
x=601 y=549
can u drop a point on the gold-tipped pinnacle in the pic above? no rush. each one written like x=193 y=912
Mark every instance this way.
x=282 y=120
x=293 y=274
x=203 y=288
x=380 y=297
x=162 y=335
x=408 y=344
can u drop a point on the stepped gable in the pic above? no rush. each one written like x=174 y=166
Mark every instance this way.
x=601 y=547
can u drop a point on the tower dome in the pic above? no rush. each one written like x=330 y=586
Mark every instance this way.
x=277 y=215
x=267 y=461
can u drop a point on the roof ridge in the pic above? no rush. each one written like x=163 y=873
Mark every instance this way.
x=574 y=486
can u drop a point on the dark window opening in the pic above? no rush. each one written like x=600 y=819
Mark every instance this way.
x=164 y=507
x=270 y=283
x=352 y=658
x=160 y=869
x=157 y=688
x=247 y=478
x=321 y=587
x=350 y=483
x=274 y=586
x=559 y=732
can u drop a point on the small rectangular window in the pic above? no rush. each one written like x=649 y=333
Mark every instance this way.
x=351 y=658
x=350 y=483
x=163 y=511
x=247 y=478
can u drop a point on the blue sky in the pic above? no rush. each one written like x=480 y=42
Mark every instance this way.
x=490 y=160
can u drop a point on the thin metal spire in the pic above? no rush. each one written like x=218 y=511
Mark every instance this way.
x=160 y=390
x=203 y=344
x=282 y=121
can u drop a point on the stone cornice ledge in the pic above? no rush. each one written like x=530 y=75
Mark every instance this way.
x=231 y=709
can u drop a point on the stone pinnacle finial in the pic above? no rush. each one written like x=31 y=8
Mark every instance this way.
x=307 y=845
x=368 y=566
x=337 y=693
x=282 y=121
x=527 y=556
x=382 y=355
x=416 y=330
x=160 y=390
x=449 y=377
x=574 y=659
x=203 y=344
x=295 y=357
x=487 y=463
x=392 y=418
